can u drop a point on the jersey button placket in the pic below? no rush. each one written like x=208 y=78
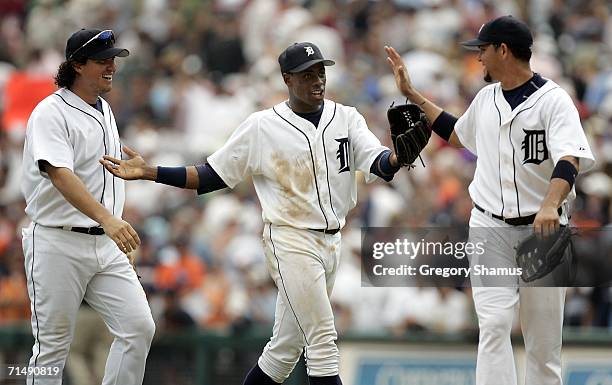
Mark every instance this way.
x=322 y=176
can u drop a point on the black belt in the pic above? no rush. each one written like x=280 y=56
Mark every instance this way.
x=84 y=230
x=518 y=221
x=326 y=231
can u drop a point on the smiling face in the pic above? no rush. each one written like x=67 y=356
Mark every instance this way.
x=306 y=88
x=94 y=78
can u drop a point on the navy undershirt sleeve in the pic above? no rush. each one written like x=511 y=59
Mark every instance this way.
x=209 y=179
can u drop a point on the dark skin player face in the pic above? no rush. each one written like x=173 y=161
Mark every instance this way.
x=306 y=88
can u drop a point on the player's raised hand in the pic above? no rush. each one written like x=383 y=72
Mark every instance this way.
x=402 y=79
x=129 y=169
x=121 y=232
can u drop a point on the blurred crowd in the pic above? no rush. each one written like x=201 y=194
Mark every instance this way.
x=198 y=68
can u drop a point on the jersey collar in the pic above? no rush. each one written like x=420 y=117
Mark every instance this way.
x=76 y=101
x=284 y=111
x=507 y=113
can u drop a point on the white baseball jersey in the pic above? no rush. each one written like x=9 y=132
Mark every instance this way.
x=67 y=132
x=304 y=176
x=517 y=149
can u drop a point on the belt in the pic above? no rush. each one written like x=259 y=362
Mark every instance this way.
x=518 y=221
x=326 y=231
x=84 y=230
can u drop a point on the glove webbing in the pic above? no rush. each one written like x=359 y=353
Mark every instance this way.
x=410 y=166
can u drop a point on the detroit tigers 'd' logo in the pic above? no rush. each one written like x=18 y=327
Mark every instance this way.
x=343 y=154
x=534 y=147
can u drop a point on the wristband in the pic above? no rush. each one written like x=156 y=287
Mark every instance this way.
x=444 y=125
x=173 y=176
x=565 y=170
x=384 y=164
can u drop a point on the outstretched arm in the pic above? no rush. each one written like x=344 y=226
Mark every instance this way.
x=136 y=168
x=404 y=83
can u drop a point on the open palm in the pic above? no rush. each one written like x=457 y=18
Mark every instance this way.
x=399 y=70
x=129 y=169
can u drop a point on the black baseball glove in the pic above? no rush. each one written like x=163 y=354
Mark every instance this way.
x=537 y=257
x=409 y=131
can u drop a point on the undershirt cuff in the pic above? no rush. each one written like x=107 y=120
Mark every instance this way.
x=209 y=179
x=382 y=166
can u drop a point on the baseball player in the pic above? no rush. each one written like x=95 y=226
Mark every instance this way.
x=302 y=154
x=527 y=136
x=75 y=247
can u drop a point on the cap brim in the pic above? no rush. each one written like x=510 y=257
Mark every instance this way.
x=473 y=44
x=308 y=64
x=109 y=53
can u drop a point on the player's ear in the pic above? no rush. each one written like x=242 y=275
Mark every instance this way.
x=78 y=67
x=504 y=50
x=287 y=78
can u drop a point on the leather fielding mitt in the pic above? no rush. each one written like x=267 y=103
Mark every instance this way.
x=538 y=257
x=409 y=132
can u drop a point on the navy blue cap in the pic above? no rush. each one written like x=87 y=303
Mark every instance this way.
x=505 y=29
x=299 y=56
x=80 y=44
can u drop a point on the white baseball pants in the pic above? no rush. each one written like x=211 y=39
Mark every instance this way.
x=540 y=311
x=62 y=269
x=303 y=264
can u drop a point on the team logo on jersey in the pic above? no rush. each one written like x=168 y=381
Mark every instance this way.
x=343 y=154
x=309 y=50
x=534 y=147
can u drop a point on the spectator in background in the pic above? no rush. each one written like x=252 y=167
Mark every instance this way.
x=221 y=44
x=183 y=272
x=23 y=90
x=14 y=301
x=174 y=317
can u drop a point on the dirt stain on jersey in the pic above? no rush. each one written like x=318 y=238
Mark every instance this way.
x=320 y=242
x=296 y=182
x=303 y=178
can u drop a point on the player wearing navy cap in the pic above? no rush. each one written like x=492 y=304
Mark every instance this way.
x=75 y=247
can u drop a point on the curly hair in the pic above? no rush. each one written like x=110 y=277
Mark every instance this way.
x=66 y=74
